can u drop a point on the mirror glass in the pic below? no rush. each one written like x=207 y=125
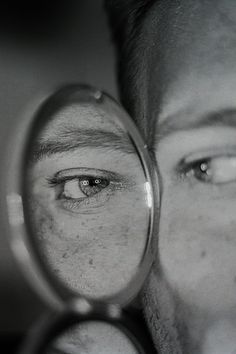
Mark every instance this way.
x=88 y=200
x=91 y=338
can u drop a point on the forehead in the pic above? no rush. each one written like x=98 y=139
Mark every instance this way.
x=79 y=125
x=192 y=57
x=81 y=117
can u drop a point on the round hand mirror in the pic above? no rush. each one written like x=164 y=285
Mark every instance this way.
x=81 y=208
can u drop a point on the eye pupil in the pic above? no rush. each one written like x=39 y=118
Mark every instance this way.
x=204 y=167
x=91 y=186
x=202 y=170
x=91 y=182
x=85 y=183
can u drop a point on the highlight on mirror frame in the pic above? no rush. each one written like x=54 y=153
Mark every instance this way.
x=88 y=200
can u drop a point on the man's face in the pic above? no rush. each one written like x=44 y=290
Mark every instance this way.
x=192 y=92
x=87 y=200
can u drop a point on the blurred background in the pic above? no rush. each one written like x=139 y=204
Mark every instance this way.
x=43 y=45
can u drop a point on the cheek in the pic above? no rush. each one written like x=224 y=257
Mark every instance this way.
x=81 y=248
x=197 y=248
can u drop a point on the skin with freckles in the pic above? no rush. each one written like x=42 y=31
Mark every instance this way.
x=87 y=199
x=190 y=300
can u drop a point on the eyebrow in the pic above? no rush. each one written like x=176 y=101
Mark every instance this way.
x=178 y=122
x=71 y=139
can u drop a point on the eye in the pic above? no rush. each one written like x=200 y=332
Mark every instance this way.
x=81 y=187
x=84 y=190
x=215 y=170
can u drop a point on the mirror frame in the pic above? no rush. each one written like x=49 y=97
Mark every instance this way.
x=45 y=285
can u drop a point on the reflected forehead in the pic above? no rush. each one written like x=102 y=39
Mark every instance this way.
x=80 y=127
x=79 y=116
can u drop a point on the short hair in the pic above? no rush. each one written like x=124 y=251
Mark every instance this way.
x=126 y=19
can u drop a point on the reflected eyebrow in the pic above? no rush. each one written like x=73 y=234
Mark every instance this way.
x=180 y=122
x=71 y=139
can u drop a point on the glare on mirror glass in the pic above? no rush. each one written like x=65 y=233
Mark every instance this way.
x=91 y=338
x=88 y=197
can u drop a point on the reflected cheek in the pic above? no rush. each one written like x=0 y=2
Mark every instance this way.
x=197 y=251
x=57 y=236
x=49 y=226
x=82 y=248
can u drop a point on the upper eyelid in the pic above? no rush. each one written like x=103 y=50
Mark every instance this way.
x=80 y=172
x=89 y=172
x=210 y=153
x=194 y=159
x=59 y=180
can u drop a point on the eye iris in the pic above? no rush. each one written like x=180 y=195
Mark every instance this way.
x=204 y=167
x=201 y=170
x=91 y=186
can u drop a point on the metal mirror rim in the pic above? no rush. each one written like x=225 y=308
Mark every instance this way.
x=20 y=240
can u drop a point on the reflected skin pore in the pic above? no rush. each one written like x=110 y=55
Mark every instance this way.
x=190 y=300
x=87 y=202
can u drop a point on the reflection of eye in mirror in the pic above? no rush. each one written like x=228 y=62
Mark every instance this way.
x=89 y=199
